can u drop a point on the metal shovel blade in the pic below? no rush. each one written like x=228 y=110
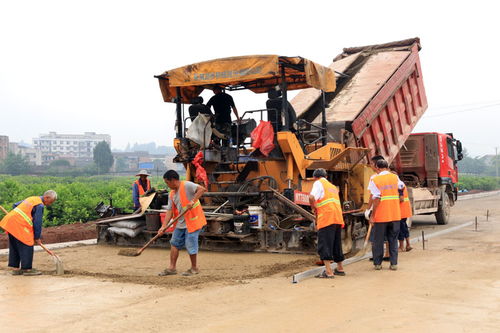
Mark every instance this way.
x=59 y=265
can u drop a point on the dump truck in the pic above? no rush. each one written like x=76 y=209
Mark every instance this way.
x=365 y=103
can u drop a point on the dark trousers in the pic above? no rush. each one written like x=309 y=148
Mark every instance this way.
x=404 y=232
x=330 y=243
x=380 y=231
x=20 y=254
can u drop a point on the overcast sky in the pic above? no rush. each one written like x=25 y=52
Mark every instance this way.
x=77 y=66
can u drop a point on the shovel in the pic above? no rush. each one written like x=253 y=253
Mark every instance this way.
x=55 y=257
x=363 y=250
x=135 y=253
x=57 y=260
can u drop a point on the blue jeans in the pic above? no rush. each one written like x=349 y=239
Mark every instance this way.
x=181 y=238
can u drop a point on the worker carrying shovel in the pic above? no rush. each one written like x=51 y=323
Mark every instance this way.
x=184 y=197
x=24 y=225
x=325 y=203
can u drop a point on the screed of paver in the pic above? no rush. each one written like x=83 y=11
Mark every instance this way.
x=454 y=285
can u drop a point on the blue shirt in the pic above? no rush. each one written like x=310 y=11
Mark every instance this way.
x=37 y=216
x=135 y=192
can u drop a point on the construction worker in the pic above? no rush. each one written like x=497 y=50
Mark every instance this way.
x=325 y=203
x=184 y=196
x=222 y=104
x=139 y=187
x=24 y=226
x=404 y=232
x=387 y=192
x=373 y=163
x=198 y=107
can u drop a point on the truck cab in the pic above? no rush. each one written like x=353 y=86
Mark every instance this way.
x=427 y=163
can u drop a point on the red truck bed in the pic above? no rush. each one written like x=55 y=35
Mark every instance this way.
x=380 y=96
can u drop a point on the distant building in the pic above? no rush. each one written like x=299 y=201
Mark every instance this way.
x=4 y=147
x=79 y=146
x=32 y=155
x=134 y=161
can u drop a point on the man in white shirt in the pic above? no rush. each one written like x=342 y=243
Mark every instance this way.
x=386 y=213
x=325 y=203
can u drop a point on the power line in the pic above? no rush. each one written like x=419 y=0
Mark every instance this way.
x=460 y=111
x=462 y=105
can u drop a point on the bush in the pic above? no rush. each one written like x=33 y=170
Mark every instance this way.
x=478 y=183
x=77 y=196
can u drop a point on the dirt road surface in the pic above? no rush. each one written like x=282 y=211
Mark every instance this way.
x=452 y=286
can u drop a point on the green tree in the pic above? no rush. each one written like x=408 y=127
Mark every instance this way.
x=103 y=157
x=15 y=165
x=471 y=165
x=121 y=164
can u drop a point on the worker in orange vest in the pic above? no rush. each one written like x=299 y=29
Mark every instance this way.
x=184 y=196
x=24 y=225
x=387 y=192
x=404 y=232
x=139 y=187
x=373 y=163
x=325 y=203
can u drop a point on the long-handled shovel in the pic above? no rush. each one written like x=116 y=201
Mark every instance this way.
x=57 y=260
x=55 y=257
x=135 y=253
x=363 y=250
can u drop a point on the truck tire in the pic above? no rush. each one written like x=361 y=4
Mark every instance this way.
x=443 y=213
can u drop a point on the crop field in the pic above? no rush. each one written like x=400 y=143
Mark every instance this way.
x=78 y=196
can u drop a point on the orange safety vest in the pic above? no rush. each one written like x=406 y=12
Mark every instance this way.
x=388 y=209
x=195 y=217
x=328 y=209
x=139 y=186
x=19 y=222
x=405 y=205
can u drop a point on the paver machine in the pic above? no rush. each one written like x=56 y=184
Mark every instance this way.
x=365 y=103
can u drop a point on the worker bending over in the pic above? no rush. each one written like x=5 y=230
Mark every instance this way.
x=184 y=196
x=24 y=225
x=387 y=191
x=139 y=187
x=325 y=203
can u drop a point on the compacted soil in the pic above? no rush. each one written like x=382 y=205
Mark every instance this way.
x=451 y=286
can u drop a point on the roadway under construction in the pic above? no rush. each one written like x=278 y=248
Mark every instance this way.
x=446 y=278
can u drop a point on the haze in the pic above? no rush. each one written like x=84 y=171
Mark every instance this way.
x=78 y=66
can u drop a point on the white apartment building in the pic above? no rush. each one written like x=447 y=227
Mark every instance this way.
x=70 y=145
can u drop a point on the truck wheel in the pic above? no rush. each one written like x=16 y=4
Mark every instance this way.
x=443 y=213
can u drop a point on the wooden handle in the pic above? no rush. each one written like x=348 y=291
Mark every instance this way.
x=4 y=210
x=159 y=235
x=367 y=235
x=46 y=249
